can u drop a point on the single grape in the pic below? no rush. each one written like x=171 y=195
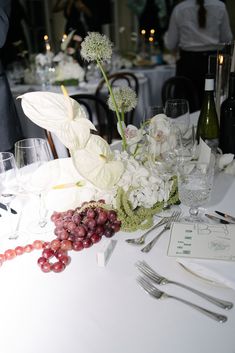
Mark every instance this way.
x=55 y=244
x=38 y=244
x=76 y=218
x=102 y=217
x=65 y=259
x=71 y=226
x=60 y=253
x=28 y=248
x=108 y=232
x=48 y=253
x=81 y=231
x=63 y=235
x=58 y=266
x=66 y=245
x=92 y=223
x=41 y=261
x=46 y=267
x=112 y=215
x=95 y=238
x=78 y=245
x=91 y=213
x=87 y=242
x=10 y=254
x=19 y=250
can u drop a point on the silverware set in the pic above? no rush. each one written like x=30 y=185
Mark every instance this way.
x=166 y=221
x=151 y=277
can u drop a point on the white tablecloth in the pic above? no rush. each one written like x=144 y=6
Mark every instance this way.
x=91 y=309
x=156 y=77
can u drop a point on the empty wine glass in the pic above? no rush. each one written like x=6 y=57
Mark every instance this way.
x=178 y=111
x=31 y=154
x=8 y=185
x=195 y=182
x=150 y=112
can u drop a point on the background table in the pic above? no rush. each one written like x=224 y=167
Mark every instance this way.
x=91 y=309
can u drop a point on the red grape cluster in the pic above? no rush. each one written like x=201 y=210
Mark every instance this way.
x=75 y=230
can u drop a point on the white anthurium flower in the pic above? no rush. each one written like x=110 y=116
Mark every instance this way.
x=59 y=114
x=96 y=163
x=224 y=160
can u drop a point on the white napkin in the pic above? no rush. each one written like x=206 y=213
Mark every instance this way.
x=220 y=272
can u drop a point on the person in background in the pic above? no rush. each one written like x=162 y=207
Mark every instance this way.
x=10 y=130
x=76 y=14
x=196 y=28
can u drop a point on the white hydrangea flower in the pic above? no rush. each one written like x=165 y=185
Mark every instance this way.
x=67 y=70
x=145 y=189
x=125 y=98
x=96 y=47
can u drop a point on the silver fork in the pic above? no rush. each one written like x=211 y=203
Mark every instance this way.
x=174 y=217
x=141 y=239
x=156 y=293
x=155 y=277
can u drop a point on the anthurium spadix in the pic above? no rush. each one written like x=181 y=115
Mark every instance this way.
x=59 y=114
x=96 y=164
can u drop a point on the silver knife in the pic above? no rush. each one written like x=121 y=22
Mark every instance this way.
x=221 y=220
x=225 y=215
x=5 y=208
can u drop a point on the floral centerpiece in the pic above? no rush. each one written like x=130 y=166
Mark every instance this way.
x=124 y=179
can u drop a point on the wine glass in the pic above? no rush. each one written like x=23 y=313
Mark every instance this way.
x=8 y=185
x=31 y=155
x=178 y=111
x=165 y=150
x=152 y=111
x=195 y=182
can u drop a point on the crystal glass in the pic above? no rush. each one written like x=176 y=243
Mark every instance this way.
x=195 y=182
x=165 y=151
x=178 y=111
x=150 y=112
x=31 y=155
x=8 y=186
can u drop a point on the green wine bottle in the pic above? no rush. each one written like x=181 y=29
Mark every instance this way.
x=208 y=124
x=227 y=119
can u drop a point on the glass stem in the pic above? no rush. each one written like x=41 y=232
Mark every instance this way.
x=12 y=233
x=42 y=210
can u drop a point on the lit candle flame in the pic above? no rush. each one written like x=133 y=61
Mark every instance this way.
x=150 y=39
x=221 y=59
x=64 y=37
x=152 y=31
x=46 y=37
x=143 y=31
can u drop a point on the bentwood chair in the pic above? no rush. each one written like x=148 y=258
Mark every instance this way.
x=98 y=112
x=181 y=87
x=116 y=80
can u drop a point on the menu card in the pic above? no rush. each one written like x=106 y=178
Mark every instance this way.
x=202 y=241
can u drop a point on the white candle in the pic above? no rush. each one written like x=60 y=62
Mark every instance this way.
x=47 y=44
x=218 y=84
x=233 y=59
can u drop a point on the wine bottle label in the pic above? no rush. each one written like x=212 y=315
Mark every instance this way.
x=209 y=84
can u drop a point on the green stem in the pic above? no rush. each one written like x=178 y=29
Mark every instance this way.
x=124 y=144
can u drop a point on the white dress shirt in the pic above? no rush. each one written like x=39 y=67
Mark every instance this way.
x=185 y=33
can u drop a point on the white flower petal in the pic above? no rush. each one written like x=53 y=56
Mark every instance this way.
x=52 y=112
x=95 y=163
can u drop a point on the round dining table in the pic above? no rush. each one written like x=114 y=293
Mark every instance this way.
x=90 y=308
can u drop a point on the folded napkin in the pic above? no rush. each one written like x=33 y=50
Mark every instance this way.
x=219 y=272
